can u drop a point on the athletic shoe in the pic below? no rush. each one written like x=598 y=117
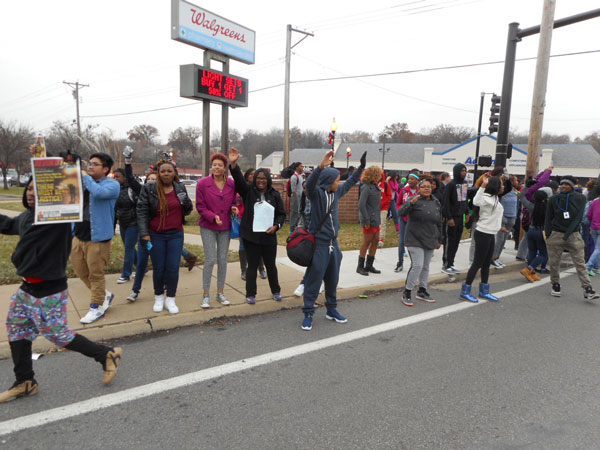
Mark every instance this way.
x=497 y=264
x=555 y=290
x=113 y=359
x=590 y=294
x=222 y=299
x=544 y=270
x=206 y=301
x=527 y=273
x=19 y=390
x=95 y=313
x=380 y=244
x=299 y=292
x=591 y=273
x=277 y=297
x=122 y=280
x=423 y=295
x=406 y=298
x=171 y=305
x=448 y=270
x=398 y=267
x=108 y=298
x=263 y=274
x=455 y=269
x=133 y=296
x=251 y=300
x=159 y=303
x=332 y=314
x=307 y=322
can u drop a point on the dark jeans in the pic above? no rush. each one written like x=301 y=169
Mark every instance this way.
x=254 y=253
x=141 y=265
x=129 y=236
x=536 y=244
x=325 y=266
x=453 y=235
x=165 y=254
x=392 y=209
x=484 y=250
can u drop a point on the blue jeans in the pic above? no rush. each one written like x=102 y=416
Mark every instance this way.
x=595 y=257
x=394 y=211
x=129 y=236
x=402 y=224
x=141 y=265
x=536 y=247
x=165 y=254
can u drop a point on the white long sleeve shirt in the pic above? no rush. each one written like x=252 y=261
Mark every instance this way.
x=490 y=212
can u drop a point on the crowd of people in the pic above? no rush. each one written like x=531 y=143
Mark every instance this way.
x=545 y=218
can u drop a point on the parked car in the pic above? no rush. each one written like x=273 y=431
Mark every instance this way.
x=24 y=178
x=189 y=182
x=11 y=176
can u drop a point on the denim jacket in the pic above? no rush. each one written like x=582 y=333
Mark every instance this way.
x=103 y=196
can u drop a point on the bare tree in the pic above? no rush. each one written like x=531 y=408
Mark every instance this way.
x=361 y=137
x=448 y=134
x=186 y=140
x=14 y=143
x=145 y=137
x=396 y=132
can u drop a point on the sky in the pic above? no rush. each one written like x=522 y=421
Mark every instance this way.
x=124 y=52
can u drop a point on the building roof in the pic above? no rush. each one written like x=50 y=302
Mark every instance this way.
x=307 y=156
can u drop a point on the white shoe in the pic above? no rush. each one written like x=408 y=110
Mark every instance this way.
x=299 y=292
x=171 y=306
x=455 y=269
x=122 y=280
x=133 y=296
x=322 y=288
x=108 y=298
x=206 y=301
x=159 y=303
x=95 y=313
x=222 y=299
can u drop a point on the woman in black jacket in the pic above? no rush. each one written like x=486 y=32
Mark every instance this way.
x=161 y=209
x=125 y=215
x=258 y=243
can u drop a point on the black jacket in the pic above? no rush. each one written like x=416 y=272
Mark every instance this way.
x=148 y=202
x=454 y=203
x=250 y=196
x=127 y=201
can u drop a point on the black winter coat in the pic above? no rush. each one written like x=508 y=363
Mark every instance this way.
x=125 y=208
x=148 y=203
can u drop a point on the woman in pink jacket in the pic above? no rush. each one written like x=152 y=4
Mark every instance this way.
x=215 y=201
x=593 y=216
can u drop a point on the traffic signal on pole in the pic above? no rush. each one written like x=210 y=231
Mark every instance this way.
x=330 y=139
x=494 y=114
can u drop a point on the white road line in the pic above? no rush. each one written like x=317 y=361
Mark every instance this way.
x=128 y=395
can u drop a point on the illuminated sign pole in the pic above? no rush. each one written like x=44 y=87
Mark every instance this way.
x=221 y=39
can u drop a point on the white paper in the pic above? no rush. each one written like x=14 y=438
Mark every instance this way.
x=264 y=215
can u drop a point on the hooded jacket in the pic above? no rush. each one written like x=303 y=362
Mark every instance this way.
x=454 y=204
x=558 y=205
x=317 y=191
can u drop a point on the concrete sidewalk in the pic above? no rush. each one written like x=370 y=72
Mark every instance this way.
x=129 y=319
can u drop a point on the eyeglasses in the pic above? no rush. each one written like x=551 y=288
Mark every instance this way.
x=95 y=164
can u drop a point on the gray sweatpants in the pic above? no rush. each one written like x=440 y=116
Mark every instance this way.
x=508 y=223
x=419 y=267
x=216 y=246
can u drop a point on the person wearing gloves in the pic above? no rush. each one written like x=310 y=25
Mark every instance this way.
x=488 y=224
x=161 y=209
x=324 y=192
x=563 y=220
x=257 y=196
x=369 y=204
x=423 y=236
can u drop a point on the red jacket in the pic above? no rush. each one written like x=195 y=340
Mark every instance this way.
x=386 y=193
x=403 y=197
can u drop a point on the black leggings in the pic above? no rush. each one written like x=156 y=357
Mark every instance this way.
x=484 y=249
x=254 y=252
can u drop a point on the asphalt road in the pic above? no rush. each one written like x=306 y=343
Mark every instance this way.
x=518 y=374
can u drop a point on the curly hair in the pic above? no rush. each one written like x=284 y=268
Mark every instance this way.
x=160 y=189
x=221 y=157
x=372 y=175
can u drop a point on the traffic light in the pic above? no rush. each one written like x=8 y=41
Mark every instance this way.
x=494 y=114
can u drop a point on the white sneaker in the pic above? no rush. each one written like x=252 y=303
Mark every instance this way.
x=206 y=301
x=171 y=306
x=497 y=264
x=133 y=296
x=122 y=280
x=299 y=292
x=108 y=298
x=322 y=288
x=95 y=313
x=222 y=299
x=455 y=269
x=159 y=303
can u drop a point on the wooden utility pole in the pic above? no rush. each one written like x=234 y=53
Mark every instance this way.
x=539 y=89
x=76 y=87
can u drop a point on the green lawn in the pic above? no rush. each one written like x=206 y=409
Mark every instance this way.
x=16 y=191
x=13 y=206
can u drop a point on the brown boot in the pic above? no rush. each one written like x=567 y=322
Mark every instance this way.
x=113 y=359
x=18 y=390
x=526 y=272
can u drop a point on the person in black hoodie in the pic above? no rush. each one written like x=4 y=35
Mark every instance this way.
x=454 y=206
x=40 y=303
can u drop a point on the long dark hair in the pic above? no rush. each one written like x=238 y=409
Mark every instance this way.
x=538 y=216
x=267 y=174
x=493 y=186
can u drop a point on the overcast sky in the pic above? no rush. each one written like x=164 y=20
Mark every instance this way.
x=123 y=50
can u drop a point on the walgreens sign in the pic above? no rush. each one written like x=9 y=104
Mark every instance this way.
x=196 y=26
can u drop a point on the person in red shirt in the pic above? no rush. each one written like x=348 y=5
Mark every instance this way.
x=410 y=189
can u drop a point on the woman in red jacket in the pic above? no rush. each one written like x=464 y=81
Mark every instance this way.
x=386 y=198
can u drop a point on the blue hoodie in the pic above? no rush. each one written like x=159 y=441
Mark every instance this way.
x=317 y=185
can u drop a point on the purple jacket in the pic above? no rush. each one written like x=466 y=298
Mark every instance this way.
x=211 y=202
x=541 y=179
x=593 y=214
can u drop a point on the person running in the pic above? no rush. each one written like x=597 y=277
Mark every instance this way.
x=454 y=207
x=423 y=236
x=258 y=243
x=536 y=244
x=409 y=190
x=215 y=201
x=563 y=220
x=324 y=192
x=161 y=209
x=91 y=243
x=488 y=224
x=369 y=216
x=40 y=305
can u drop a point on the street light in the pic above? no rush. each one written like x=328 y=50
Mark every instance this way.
x=334 y=127
x=383 y=151
x=348 y=155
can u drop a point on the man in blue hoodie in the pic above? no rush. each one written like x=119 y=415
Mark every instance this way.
x=324 y=192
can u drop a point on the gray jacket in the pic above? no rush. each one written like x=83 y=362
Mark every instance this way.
x=424 y=227
x=369 y=205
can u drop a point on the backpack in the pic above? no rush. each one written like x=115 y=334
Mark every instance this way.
x=288 y=189
x=300 y=244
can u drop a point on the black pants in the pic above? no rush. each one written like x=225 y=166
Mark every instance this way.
x=254 y=252
x=453 y=235
x=484 y=249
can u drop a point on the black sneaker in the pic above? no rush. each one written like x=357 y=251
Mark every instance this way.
x=555 y=290
x=398 y=267
x=424 y=296
x=406 y=298
x=590 y=294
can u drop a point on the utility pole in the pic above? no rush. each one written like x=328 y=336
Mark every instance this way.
x=76 y=87
x=539 y=89
x=286 y=107
x=478 y=138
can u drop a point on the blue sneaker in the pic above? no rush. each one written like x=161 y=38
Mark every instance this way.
x=277 y=297
x=332 y=314
x=251 y=300
x=307 y=322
